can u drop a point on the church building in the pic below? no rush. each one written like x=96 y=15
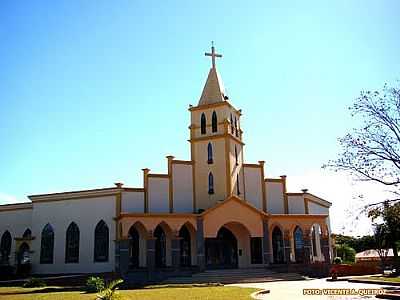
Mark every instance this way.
x=212 y=211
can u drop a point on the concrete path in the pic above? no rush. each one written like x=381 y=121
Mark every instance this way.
x=283 y=290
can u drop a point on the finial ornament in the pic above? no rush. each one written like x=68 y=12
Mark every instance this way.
x=213 y=54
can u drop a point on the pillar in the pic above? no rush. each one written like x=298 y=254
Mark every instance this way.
x=176 y=251
x=287 y=246
x=200 y=242
x=307 y=247
x=122 y=256
x=266 y=244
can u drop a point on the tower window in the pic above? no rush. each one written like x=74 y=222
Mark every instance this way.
x=236 y=156
x=210 y=183
x=210 y=153
x=232 y=125
x=214 y=122
x=203 y=123
x=236 y=127
x=47 y=245
x=237 y=184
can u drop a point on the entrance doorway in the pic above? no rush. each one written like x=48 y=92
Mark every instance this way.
x=222 y=251
x=133 y=248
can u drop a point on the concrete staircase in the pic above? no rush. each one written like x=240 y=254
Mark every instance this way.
x=226 y=276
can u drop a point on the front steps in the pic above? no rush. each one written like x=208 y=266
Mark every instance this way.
x=226 y=276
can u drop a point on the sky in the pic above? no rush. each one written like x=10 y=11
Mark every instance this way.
x=91 y=92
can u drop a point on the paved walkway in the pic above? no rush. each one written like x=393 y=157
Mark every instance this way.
x=283 y=290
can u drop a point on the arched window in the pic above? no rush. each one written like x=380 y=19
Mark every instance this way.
x=214 y=122
x=232 y=125
x=101 y=242
x=236 y=156
x=27 y=234
x=5 y=247
x=210 y=153
x=72 y=244
x=277 y=246
x=237 y=184
x=47 y=245
x=203 y=123
x=314 y=241
x=134 y=247
x=185 y=247
x=298 y=244
x=161 y=247
x=210 y=183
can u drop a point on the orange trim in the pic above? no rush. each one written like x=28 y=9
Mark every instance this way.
x=212 y=105
x=273 y=180
x=306 y=211
x=285 y=197
x=146 y=189
x=158 y=215
x=264 y=194
x=234 y=198
x=183 y=162
x=16 y=206
x=252 y=166
x=216 y=136
x=158 y=175
x=316 y=202
x=171 y=188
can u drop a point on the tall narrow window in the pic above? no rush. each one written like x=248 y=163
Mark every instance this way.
x=232 y=125
x=214 y=122
x=210 y=183
x=203 y=123
x=209 y=153
x=237 y=184
x=236 y=156
x=236 y=127
x=256 y=250
x=5 y=247
x=101 y=242
x=47 y=245
x=72 y=244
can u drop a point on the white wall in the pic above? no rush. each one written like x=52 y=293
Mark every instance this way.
x=315 y=209
x=16 y=222
x=132 y=202
x=296 y=204
x=274 y=191
x=86 y=213
x=182 y=182
x=158 y=194
x=252 y=178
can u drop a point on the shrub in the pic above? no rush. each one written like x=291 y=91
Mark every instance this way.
x=94 y=284
x=110 y=292
x=34 y=282
x=345 y=252
x=337 y=260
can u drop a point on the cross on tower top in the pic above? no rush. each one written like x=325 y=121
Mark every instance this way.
x=213 y=54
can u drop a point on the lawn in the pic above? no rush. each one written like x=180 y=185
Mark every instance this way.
x=381 y=278
x=165 y=293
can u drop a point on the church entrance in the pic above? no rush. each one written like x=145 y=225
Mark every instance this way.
x=185 y=247
x=221 y=252
x=161 y=247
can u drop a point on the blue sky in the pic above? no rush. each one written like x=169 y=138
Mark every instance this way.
x=93 y=91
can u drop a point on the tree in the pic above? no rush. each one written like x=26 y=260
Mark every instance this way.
x=382 y=238
x=372 y=153
x=345 y=252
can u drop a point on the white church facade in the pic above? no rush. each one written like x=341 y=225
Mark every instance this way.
x=212 y=211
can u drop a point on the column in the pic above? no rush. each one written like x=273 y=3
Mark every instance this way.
x=176 y=251
x=307 y=247
x=287 y=246
x=266 y=244
x=122 y=256
x=201 y=259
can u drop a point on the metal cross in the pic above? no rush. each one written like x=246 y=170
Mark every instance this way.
x=213 y=54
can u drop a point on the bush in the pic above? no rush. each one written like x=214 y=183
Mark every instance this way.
x=110 y=292
x=94 y=284
x=337 y=260
x=34 y=282
x=346 y=253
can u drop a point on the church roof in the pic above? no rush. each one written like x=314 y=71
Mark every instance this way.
x=213 y=90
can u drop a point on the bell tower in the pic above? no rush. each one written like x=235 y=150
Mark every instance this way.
x=216 y=143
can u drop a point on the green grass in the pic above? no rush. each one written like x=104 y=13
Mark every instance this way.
x=164 y=293
x=383 y=278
